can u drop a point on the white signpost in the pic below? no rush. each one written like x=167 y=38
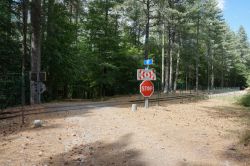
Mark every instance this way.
x=146 y=75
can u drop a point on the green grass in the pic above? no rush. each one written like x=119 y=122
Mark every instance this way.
x=245 y=100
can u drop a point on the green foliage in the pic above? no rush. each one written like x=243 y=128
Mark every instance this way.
x=96 y=46
x=60 y=55
x=10 y=55
x=245 y=100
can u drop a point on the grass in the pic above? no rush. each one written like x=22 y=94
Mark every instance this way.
x=246 y=138
x=245 y=100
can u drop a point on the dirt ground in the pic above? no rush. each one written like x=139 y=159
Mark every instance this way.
x=205 y=133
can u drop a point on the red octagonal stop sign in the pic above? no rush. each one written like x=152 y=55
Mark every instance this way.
x=147 y=88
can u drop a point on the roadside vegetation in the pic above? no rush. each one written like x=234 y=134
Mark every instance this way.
x=245 y=100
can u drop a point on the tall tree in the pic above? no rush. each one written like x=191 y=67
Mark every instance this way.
x=35 y=51
x=24 y=45
x=149 y=5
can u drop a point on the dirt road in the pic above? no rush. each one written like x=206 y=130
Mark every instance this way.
x=203 y=133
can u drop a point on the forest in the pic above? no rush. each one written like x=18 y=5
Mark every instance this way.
x=92 y=48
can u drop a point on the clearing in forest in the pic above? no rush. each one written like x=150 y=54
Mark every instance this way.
x=208 y=132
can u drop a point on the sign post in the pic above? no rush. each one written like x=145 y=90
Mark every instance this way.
x=146 y=87
x=146 y=102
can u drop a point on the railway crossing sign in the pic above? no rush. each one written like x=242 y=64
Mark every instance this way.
x=147 y=88
x=146 y=74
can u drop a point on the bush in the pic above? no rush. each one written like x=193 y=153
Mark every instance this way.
x=245 y=100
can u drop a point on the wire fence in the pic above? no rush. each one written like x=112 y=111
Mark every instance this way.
x=11 y=91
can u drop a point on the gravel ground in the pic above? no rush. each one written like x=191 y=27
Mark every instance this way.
x=200 y=133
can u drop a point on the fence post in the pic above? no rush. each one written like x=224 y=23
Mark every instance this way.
x=158 y=102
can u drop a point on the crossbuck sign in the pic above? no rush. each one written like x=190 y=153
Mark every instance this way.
x=146 y=74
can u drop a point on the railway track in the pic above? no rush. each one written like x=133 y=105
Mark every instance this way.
x=52 y=108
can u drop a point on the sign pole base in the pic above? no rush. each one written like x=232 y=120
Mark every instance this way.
x=146 y=102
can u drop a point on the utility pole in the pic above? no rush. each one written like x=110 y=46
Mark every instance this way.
x=35 y=52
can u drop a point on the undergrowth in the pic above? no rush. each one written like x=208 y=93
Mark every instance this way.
x=245 y=100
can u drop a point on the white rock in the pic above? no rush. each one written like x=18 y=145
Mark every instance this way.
x=38 y=123
x=134 y=107
x=40 y=153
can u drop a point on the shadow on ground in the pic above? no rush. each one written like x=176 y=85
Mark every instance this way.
x=228 y=112
x=240 y=151
x=98 y=153
x=14 y=125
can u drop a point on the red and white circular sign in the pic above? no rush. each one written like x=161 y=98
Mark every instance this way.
x=147 y=88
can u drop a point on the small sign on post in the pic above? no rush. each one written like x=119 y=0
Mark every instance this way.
x=33 y=76
x=148 y=62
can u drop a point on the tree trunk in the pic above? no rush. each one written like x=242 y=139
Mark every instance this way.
x=177 y=67
x=77 y=19
x=197 y=57
x=71 y=11
x=166 y=87
x=43 y=23
x=171 y=36
x=186 y=79
x=147 y=31
x=24 y=45
x=212 y=71
x=139 y=35
x=208 y=66
x=222 y=71
x=162 y=57
x=9 y=27
x=35 y=50
x=50 y=28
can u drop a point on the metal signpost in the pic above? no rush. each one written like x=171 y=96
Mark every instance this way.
x=146 y=87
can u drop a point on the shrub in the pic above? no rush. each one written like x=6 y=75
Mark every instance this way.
x=245 y=100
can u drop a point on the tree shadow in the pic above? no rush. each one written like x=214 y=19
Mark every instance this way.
x=238 y=153
x=228 y=112
x=14 y=125
x=98 y=153
x=187 y=163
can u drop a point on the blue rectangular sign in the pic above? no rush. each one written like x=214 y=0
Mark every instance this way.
x=148 y=62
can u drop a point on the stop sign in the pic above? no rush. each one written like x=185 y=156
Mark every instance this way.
x=147 y=88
